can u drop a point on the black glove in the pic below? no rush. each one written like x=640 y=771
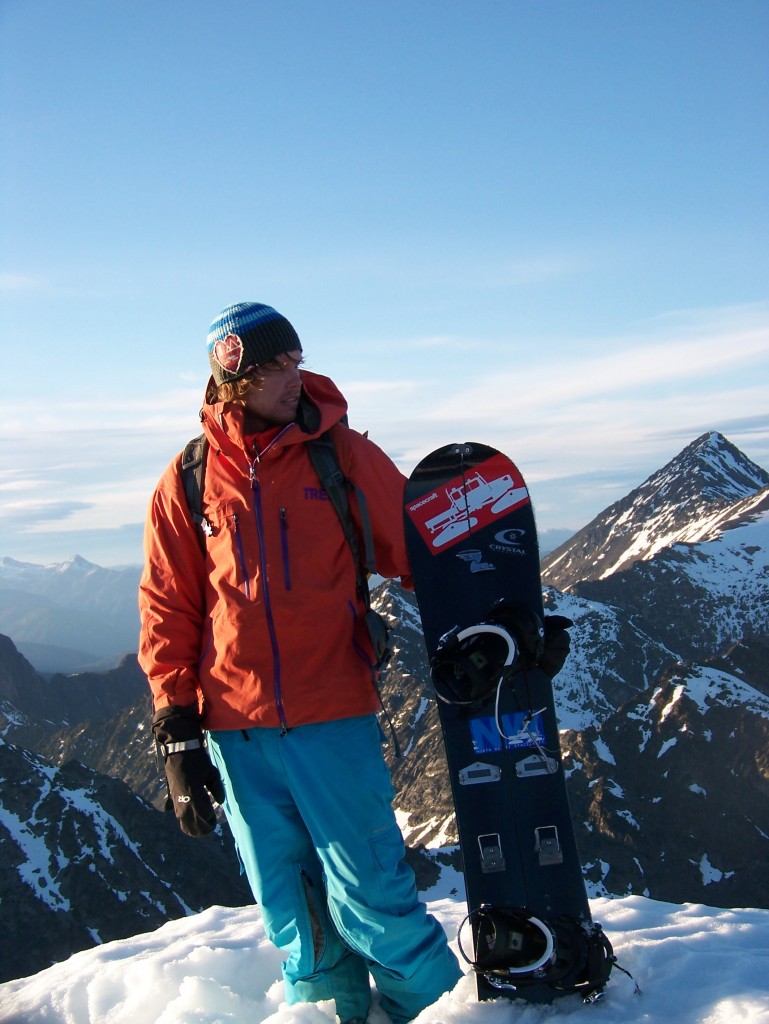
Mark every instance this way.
x=557 y=644
x=525 y=627
x=193 y=781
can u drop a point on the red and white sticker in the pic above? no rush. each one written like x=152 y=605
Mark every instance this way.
x=468 y=502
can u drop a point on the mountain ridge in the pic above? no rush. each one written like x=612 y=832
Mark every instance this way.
x=677 y=503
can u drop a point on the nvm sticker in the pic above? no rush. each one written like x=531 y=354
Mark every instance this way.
x=486 y=737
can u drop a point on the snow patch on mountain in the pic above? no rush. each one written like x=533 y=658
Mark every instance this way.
x=610 y=657
x=710 y=688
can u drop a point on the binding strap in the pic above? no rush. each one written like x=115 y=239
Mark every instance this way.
x=470 y=663
x=515 y=949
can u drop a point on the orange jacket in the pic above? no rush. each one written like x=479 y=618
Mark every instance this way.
x=266 y=628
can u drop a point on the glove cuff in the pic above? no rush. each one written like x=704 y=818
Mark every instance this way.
x=177 y=726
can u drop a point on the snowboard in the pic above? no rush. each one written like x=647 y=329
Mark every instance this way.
x=474 y=555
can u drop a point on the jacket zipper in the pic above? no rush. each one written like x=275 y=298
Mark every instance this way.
x=241 y=554
x=284 y=548
x=254 y=480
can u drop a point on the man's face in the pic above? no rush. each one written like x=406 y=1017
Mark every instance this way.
x=272 y=400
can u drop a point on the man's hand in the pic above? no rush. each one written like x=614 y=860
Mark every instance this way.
x=557 y=644
x=193 y=781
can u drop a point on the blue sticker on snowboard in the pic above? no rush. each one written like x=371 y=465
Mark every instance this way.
x=518 y=728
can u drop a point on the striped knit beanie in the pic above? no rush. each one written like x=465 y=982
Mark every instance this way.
x=245 y=335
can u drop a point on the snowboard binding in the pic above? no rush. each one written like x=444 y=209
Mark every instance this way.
x=471 y=663
x=514 y=949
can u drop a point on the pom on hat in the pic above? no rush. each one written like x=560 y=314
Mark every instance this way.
x=245 y=335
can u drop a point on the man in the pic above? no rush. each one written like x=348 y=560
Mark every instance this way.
x=260 y=640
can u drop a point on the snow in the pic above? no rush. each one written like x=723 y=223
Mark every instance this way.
x=424 y=707
x=710 y=687
x=441 y=834
x=34 y=869
x=602 y=749
x=710 y=873
x=627 y=815
x=653 y=537
x=736 y=550
x=578 y=701
x=666 y=746
x=694 y=964
x=676 y=696
x=40 y=865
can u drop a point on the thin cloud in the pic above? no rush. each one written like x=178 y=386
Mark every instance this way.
x=744 y=425
x=624 y=367
x=623 y=405
x=536 y=269
x=584 y=424
x=27 y=516
x=13 y=282
x=112 y=416
x=361 y=388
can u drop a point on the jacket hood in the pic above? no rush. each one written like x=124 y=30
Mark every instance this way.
x=321 y=406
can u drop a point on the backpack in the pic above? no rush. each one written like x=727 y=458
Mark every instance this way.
x=336 y=485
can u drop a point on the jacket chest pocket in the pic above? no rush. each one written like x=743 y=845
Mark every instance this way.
x=228 y=547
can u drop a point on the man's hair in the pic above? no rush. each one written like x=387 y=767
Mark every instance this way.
x=233 y=391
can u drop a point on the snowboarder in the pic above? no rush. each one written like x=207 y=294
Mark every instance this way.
x=255 y=644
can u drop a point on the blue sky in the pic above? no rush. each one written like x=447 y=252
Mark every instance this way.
x=539 y=224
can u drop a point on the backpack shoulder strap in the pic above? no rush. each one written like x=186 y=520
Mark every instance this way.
x=193 y=470
x=336 y=485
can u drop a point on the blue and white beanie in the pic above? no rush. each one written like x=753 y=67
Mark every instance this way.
x=245 y=335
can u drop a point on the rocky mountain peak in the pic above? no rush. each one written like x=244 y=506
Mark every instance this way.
x=676 y=504
x=711 y=469
x=77 y=564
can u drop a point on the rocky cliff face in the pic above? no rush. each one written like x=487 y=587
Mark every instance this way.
x=670 y=794
x=85 y=860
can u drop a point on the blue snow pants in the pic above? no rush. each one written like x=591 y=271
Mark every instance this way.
x=311 y=813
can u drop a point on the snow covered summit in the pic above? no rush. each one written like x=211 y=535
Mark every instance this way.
x=684 y=502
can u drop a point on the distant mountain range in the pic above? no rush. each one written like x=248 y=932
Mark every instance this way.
x=663 y=702
x=69 y=616
x=74 y=616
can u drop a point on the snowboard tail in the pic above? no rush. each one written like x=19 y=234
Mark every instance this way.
x=474 y=556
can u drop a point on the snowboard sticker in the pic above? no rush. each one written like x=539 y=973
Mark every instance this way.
x=473 y=552
x=516 y=732
x=448 y=513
